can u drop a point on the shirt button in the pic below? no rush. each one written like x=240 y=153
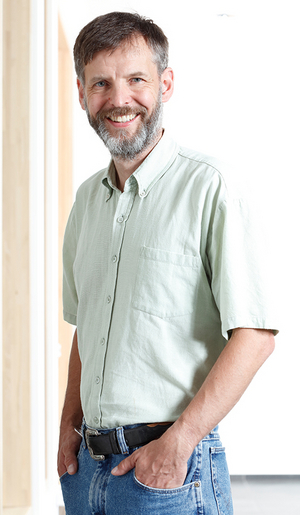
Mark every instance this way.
x=143 y=194
x=97 y=380
x=114 y=259
x=102 y=341
x=108 y=299
x=96 y=420
x=120 y=219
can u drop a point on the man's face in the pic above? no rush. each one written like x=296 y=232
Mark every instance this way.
x=123 y=97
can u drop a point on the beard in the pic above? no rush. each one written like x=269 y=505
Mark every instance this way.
x=123 y=146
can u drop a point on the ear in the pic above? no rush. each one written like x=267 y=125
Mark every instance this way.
x=81 y=94
x=167 y=79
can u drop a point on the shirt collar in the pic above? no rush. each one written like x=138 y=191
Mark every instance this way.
x=109 y=179
x=150 y=171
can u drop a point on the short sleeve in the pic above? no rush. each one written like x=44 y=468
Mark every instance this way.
x=240 y=264
x=70 y=299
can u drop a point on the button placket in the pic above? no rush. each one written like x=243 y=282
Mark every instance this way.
x=124 y=206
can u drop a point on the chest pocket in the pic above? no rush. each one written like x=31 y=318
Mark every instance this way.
x=167 y=283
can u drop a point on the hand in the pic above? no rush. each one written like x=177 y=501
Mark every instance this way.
x=67 y=453
x=159 y=464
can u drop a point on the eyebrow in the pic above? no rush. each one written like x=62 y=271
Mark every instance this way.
x=96 y=78
x=138 y=74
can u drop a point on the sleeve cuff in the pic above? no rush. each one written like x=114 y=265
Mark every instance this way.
x=71 y=319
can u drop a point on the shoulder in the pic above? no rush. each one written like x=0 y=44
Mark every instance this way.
x=91 y=189
x=91 y=185
x=213 y=172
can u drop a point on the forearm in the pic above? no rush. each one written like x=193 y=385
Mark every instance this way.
x=69 y=440
x=72 y=411
x=232 y=373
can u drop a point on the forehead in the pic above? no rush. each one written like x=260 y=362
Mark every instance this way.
x=127 y=54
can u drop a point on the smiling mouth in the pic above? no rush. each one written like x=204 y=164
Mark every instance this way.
x=122 y=119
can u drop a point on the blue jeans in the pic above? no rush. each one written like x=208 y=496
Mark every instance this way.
x=93 y=490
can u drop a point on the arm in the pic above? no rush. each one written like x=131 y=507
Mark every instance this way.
x=163 y=462
x=69 y=440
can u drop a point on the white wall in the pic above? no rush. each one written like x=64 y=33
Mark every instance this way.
x=236 y=97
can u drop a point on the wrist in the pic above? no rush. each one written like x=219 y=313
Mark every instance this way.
x=190 y=431
x=71 y=421
x=180 y=435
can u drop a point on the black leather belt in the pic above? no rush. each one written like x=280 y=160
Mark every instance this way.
x=102 y=444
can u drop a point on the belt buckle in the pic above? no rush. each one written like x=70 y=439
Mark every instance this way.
x=93 y=432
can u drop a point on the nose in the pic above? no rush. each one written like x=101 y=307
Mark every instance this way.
x=119 y=95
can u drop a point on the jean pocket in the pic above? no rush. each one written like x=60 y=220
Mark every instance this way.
x=63 y=476
x=183 y=500
x=221 y=480
x=169 y=277
x=164 y=491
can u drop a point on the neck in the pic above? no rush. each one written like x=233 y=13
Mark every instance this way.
x=125 y=168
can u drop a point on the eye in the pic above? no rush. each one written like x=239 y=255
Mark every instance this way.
x=101 y=83
x=136 y=80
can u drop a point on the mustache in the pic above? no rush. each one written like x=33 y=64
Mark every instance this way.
x=120 y=111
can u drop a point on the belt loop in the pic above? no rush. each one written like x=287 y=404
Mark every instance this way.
x=121 y=440
x=83 y=428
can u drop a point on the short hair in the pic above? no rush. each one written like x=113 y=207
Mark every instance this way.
x=109 y=31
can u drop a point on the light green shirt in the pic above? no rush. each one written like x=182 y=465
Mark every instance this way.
x=155 y=278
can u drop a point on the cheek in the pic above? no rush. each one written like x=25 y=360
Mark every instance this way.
x=148 y=99
x=95 y=104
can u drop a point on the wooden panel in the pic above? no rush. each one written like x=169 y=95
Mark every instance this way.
x=17 y=511
x=65 y=192
x=16 y=294
x=16 y=330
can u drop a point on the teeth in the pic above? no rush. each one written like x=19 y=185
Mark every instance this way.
x=123 y=119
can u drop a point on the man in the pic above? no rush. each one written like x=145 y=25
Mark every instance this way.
x=161 y=279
